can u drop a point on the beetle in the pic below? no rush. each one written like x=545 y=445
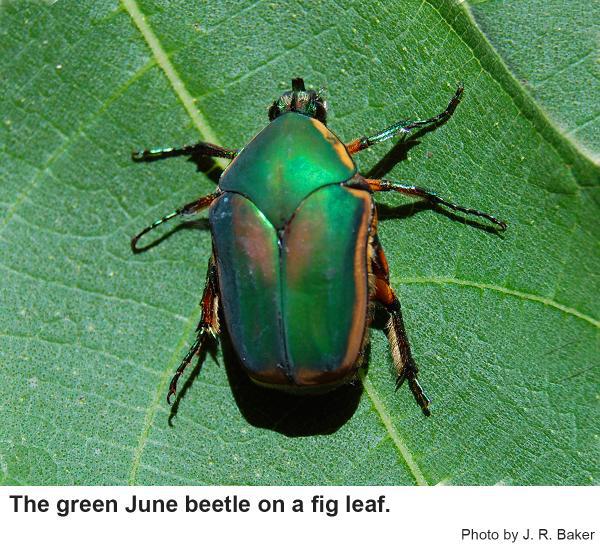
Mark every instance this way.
x=296 y=264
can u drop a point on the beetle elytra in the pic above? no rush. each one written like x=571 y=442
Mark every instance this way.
x=297 y=265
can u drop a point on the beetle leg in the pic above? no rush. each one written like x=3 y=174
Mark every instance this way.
x=396 y=333
x=199 y=149
x=190 y=208
x=404 y=126
x=386 y=185
x=207 y=327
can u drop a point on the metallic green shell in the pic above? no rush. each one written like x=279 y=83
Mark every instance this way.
x=324 y=289
x=249 y=280
x=292 y=157
x=295 y=304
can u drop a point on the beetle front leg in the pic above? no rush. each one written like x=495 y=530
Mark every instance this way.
x=207 y=328
x=416 y=191
x=404 y=126
x=190 y=208
x=404 y=363
x=199 y=149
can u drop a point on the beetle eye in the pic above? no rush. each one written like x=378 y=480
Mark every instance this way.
x=273 y=111
x=321 y=111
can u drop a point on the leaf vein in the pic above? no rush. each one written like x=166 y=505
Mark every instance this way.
x=80 y=346
x=392 y=430
x=102 y=295
x=568 y=161
x=69 y=139
x=162 y=59
x=160 y=391
x=569 y=65
x=502 y=289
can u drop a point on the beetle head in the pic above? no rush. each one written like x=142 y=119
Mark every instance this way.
x=308 y=102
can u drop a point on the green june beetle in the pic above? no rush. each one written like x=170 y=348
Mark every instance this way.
x=294 y=230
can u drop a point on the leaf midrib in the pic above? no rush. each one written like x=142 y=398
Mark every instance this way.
x=503 y=290
x=573 y=146
x=162 y=59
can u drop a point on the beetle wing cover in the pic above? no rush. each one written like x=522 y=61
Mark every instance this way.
x=325 y=277
x=295 y=308
x=249 y=279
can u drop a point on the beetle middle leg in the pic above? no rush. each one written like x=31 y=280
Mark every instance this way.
x=415 y=191
x=190 y=208
x=207 y=327
x=199 y=149
x=404 y=126
x=406 y=368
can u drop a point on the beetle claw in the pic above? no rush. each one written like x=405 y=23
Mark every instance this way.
x=170 y=393
x=419 y=395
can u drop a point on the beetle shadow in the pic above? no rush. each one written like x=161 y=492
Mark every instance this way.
x=289 y=414
x=212 y=170
x=388 y=212
x=399 y=152
x=199 y=224
x=204 y=164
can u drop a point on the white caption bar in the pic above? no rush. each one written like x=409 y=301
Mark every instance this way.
x=440 y=516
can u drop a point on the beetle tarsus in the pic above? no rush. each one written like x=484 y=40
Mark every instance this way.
x=410 y=373
x=400 y=380
x=186 y=360
x=405 y=126
x=419 y=394
x=172 y=391
x=207 y=327
x=134 y=242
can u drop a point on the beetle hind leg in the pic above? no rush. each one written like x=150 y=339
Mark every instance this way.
x=207 y=328
x=406 y=368
x=401 y=354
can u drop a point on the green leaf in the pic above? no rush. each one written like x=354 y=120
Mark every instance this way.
x=504 y=327
x=552 y=48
